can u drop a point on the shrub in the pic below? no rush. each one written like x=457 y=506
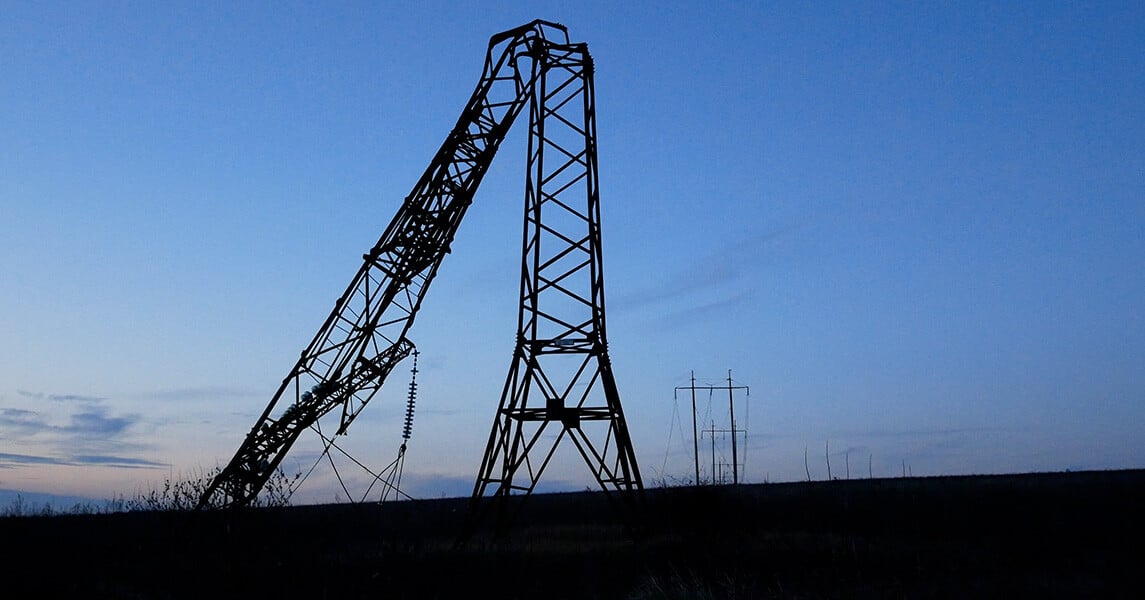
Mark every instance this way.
x=184 y=494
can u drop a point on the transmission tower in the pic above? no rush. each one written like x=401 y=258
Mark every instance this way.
x=560 y=382
x=561 y=378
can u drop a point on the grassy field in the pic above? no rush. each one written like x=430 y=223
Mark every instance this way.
x=1059 y=535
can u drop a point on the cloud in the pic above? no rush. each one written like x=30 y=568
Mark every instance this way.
x=96 y=423
x=698 y=311
x=60 y=397
x=713 y=283
x=16 y=414
x=75 y=398
x=90 y=422
x=78 y=431
x=7 y=460
x=117 y=461
x=726 y=264
x=16 y=423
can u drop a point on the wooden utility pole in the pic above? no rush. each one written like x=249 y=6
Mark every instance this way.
x=733 y=430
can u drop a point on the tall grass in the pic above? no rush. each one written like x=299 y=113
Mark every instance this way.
x=174 y=494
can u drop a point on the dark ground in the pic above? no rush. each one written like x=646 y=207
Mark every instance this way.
x=1059 y=535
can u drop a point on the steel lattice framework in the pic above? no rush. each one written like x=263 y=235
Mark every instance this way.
x=562 y=293
x=561 y=376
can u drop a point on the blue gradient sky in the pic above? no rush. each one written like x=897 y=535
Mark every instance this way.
x=916 y=231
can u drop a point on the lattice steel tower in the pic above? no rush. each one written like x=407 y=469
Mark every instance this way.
x=561 y=377
x=560 y=385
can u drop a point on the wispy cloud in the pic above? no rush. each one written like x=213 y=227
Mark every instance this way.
x=17 y=422
x=77 y=430
x=727 y=264
x=92 y=422
x=8 y=460
x=117 y=461
x=703 y=309
x=60 y=397
x=97 y=423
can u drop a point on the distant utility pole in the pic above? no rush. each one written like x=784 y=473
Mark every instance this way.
x=695 y=432
x=733 y=430
x=718 y=467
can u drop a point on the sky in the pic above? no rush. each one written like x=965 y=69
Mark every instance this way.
x=915 y=232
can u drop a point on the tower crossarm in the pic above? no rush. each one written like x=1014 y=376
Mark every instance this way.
x=364 y=337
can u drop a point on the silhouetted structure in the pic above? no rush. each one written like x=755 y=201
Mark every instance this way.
x=561 y=380
x=717 y=472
